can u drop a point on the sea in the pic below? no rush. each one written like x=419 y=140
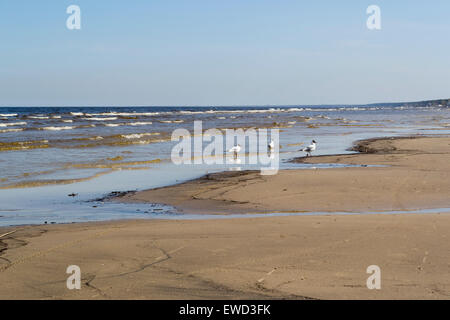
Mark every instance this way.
x=57 y=162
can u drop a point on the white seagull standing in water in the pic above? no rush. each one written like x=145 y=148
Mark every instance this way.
x=235 y=150
x=310 y=148
x=271 y=145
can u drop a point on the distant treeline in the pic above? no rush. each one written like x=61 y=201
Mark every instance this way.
x=428 y=103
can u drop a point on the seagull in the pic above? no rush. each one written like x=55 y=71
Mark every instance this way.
x=271 y=145
x=235 y=150
x=310 y=148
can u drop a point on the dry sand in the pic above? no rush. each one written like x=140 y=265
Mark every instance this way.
x=297 y=257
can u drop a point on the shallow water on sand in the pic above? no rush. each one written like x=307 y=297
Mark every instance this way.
x=120 y=149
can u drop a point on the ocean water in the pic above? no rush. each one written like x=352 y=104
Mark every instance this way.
x=48 y=153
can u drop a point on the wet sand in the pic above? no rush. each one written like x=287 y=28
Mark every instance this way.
x=320 y=257
x=297 y=257
x=415 y=175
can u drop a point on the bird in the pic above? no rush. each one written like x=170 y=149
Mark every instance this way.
x=271 y=145
x=309 y=149
x=235 y=150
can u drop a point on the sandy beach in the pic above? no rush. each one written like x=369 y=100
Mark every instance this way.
x=295 y=257
x=224 y=150
x=411 y=173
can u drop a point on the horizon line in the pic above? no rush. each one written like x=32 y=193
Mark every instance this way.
x=222 y=106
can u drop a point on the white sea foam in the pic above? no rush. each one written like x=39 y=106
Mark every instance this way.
x=67 y=121
x=139 y=135
x=171 y=121
x=38 y=117
x=77 y=114
x=127 y=124
x=279 y=110
x=191 y=112
x=56 y=128
x=10 y=130
x=12 y=124
x=8 y=114
x=125 y=114
x=270 y=110
x=137 y=123
x=101 y=119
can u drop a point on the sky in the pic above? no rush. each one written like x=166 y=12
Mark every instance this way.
x=222 y=52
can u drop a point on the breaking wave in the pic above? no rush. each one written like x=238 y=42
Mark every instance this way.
x=12 y=124
x=56 y=128
x=11 y=130
x=100 y=119
x=139 y=135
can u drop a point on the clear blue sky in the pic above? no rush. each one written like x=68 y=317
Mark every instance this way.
x=222 y=52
